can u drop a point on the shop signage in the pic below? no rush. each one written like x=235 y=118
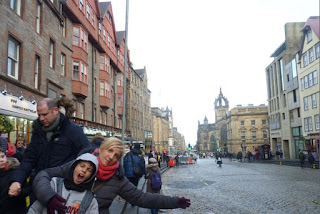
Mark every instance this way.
x=13 y=106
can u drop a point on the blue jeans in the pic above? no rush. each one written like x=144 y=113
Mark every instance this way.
x=154 y=211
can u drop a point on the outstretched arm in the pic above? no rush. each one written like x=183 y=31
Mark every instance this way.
x=41 y=184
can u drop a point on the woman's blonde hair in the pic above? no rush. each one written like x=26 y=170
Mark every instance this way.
x=112 y=142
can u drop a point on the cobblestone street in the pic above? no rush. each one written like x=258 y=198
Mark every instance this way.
x=244 y=188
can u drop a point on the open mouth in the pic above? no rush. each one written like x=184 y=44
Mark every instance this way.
x=80 y=178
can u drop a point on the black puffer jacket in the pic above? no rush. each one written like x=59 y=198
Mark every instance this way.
x=107 y=191
x=65 y=144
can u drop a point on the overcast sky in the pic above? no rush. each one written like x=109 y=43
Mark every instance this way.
x=191 y=49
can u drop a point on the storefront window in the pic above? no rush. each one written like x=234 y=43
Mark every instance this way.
x=22 y=128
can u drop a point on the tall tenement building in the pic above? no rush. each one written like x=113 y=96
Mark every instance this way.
x=65 y=49
x=293 y=90
x=308 y=73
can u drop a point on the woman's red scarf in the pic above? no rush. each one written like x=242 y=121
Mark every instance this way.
x=105 y=172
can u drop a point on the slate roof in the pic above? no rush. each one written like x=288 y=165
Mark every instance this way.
x=313 y=23
x=104 y=7
x=120 y=35
x=140 y=72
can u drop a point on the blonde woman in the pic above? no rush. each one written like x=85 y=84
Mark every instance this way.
x=109 y=182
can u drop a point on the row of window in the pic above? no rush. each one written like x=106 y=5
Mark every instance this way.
x=308 y=127
x=309 y=80
x=80 y=71
x=313 y=101
x=105 y=63
x=254 y=134
x=80 y=38
x=253 y=122
x=105 y=89
x=79 y=68
x=107 y=39
x=85 y=8
x=307 y=60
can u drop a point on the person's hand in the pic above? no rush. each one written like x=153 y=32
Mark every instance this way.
x=55 y=203
x=14 y=189
x=146 y=176
x=183 y=202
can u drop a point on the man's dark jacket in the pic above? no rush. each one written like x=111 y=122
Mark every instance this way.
x=66 y=142
x=137 y=157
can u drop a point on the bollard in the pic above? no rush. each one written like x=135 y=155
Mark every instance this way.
x=313 y=166
x=280 y=163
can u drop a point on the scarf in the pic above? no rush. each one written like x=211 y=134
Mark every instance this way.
x=106 y=172
x=51 y=129
x=70 y=185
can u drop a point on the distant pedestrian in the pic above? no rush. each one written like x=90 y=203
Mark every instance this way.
x=3 y=143
x=133 y=162
x=311 y=159
x=97 y=140
x=150 y=155
x=230 y=156
x=20 y=147
x=281 y=154
x=177 y=159
x=167 y=159
x=302 y=157
x=159 y=159
x=152 y=168
x=239 y=156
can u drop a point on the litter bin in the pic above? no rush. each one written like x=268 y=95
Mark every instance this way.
x=172 y=161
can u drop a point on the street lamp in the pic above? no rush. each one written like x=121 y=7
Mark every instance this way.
x=125 y=76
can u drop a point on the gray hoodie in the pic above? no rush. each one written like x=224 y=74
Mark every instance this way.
x=73 y=197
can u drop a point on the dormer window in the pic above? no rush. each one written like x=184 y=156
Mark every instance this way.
x=309 y=36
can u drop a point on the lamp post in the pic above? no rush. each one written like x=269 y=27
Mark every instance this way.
x=125 y=73
x=125 y=76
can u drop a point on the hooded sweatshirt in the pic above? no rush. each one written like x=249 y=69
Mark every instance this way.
x=71 y=192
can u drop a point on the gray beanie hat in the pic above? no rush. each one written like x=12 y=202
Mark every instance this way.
x=152 y=160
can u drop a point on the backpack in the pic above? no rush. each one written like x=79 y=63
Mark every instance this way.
x=137 y=170
x=86 y=200
x=156 y=181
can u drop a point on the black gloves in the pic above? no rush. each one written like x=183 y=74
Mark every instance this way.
x=183 y=202
x=56 y=203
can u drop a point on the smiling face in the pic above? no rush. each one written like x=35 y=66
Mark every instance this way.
x=3 y=160
x=82 y=171
x=110 y=156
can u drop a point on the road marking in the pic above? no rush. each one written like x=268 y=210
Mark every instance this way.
x=204 y=182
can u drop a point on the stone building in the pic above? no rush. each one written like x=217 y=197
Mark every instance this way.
x=139 y=119
x=71 y=49
x=160 y=119
x=211 y=137
x=283 y=94
x=179 y=141
x=308 y=74
x=247 y=128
